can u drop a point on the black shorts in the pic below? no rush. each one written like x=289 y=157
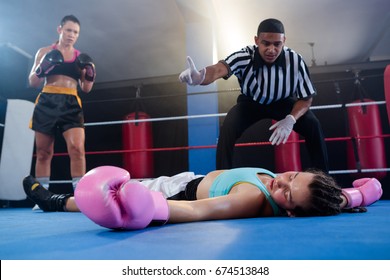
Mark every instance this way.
x=190 y=192
x=56 y=112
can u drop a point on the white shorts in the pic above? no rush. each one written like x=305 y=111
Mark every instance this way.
x=170 y=186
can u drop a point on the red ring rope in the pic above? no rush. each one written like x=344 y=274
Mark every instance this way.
x=346 y=138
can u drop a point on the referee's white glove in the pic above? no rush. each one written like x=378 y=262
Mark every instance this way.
x=282 y=131
x=191 y=75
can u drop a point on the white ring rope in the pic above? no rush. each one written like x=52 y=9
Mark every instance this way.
x=158 y=119
x=348 y=105
x=358 y=171
x=224 y=114
x=320 y=107
x=333 y=172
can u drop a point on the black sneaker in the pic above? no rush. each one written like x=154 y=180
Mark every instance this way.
x=45 y=199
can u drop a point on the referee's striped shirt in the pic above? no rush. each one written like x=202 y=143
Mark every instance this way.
x=287 y=76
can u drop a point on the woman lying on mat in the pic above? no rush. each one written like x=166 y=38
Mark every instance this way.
x=109 y=198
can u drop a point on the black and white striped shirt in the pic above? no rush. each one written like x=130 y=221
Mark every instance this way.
x=288 y=76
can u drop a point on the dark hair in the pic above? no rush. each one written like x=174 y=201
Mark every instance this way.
x=270 y=25
x=69 y=18
x=325 y=197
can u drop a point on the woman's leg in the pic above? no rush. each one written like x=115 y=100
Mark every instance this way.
x=44 y=144
x=70 y=205
x=75 y=142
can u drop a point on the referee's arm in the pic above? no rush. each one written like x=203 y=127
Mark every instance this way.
x=215 y=72
x=301 y=107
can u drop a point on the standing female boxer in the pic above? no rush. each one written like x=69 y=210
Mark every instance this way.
x=61 y=68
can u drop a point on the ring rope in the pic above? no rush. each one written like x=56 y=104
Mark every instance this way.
x=359 y=171
x=218 y=91
x=221 y=114
x=224 y=114
x=238 y=144
x=346 y=138
x=157 y=119
x=137 y=98
x=348 y=105
x=333 y=172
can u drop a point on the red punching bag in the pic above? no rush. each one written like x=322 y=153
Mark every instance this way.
x=364 y=121
x=138 y=136
x=387 y=90
x=288 y=156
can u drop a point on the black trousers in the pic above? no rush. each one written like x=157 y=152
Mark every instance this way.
x=247 y=112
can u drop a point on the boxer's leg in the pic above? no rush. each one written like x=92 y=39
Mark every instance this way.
x=75 y=141
x=44 y=151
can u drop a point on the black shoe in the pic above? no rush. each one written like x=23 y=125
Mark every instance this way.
x=45 y=199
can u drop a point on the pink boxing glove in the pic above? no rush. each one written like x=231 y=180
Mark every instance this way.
x=365 y=192
x=108 y=197
x=142 y=206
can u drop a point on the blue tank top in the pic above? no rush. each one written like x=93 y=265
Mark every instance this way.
x=227 y=179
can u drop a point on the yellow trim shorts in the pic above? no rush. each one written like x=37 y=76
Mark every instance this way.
x=57 y=108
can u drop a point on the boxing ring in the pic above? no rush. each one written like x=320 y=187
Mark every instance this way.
x=29 y=235
x=71 y=236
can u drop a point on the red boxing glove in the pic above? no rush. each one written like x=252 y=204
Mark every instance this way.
x=108 y=197
x=365 y=192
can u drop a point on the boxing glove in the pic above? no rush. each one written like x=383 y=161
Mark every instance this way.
x=48 y=62
x=107 y=196
x=365 y=192
x=84 y=61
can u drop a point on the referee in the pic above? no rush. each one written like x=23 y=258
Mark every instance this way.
x=275 y=84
